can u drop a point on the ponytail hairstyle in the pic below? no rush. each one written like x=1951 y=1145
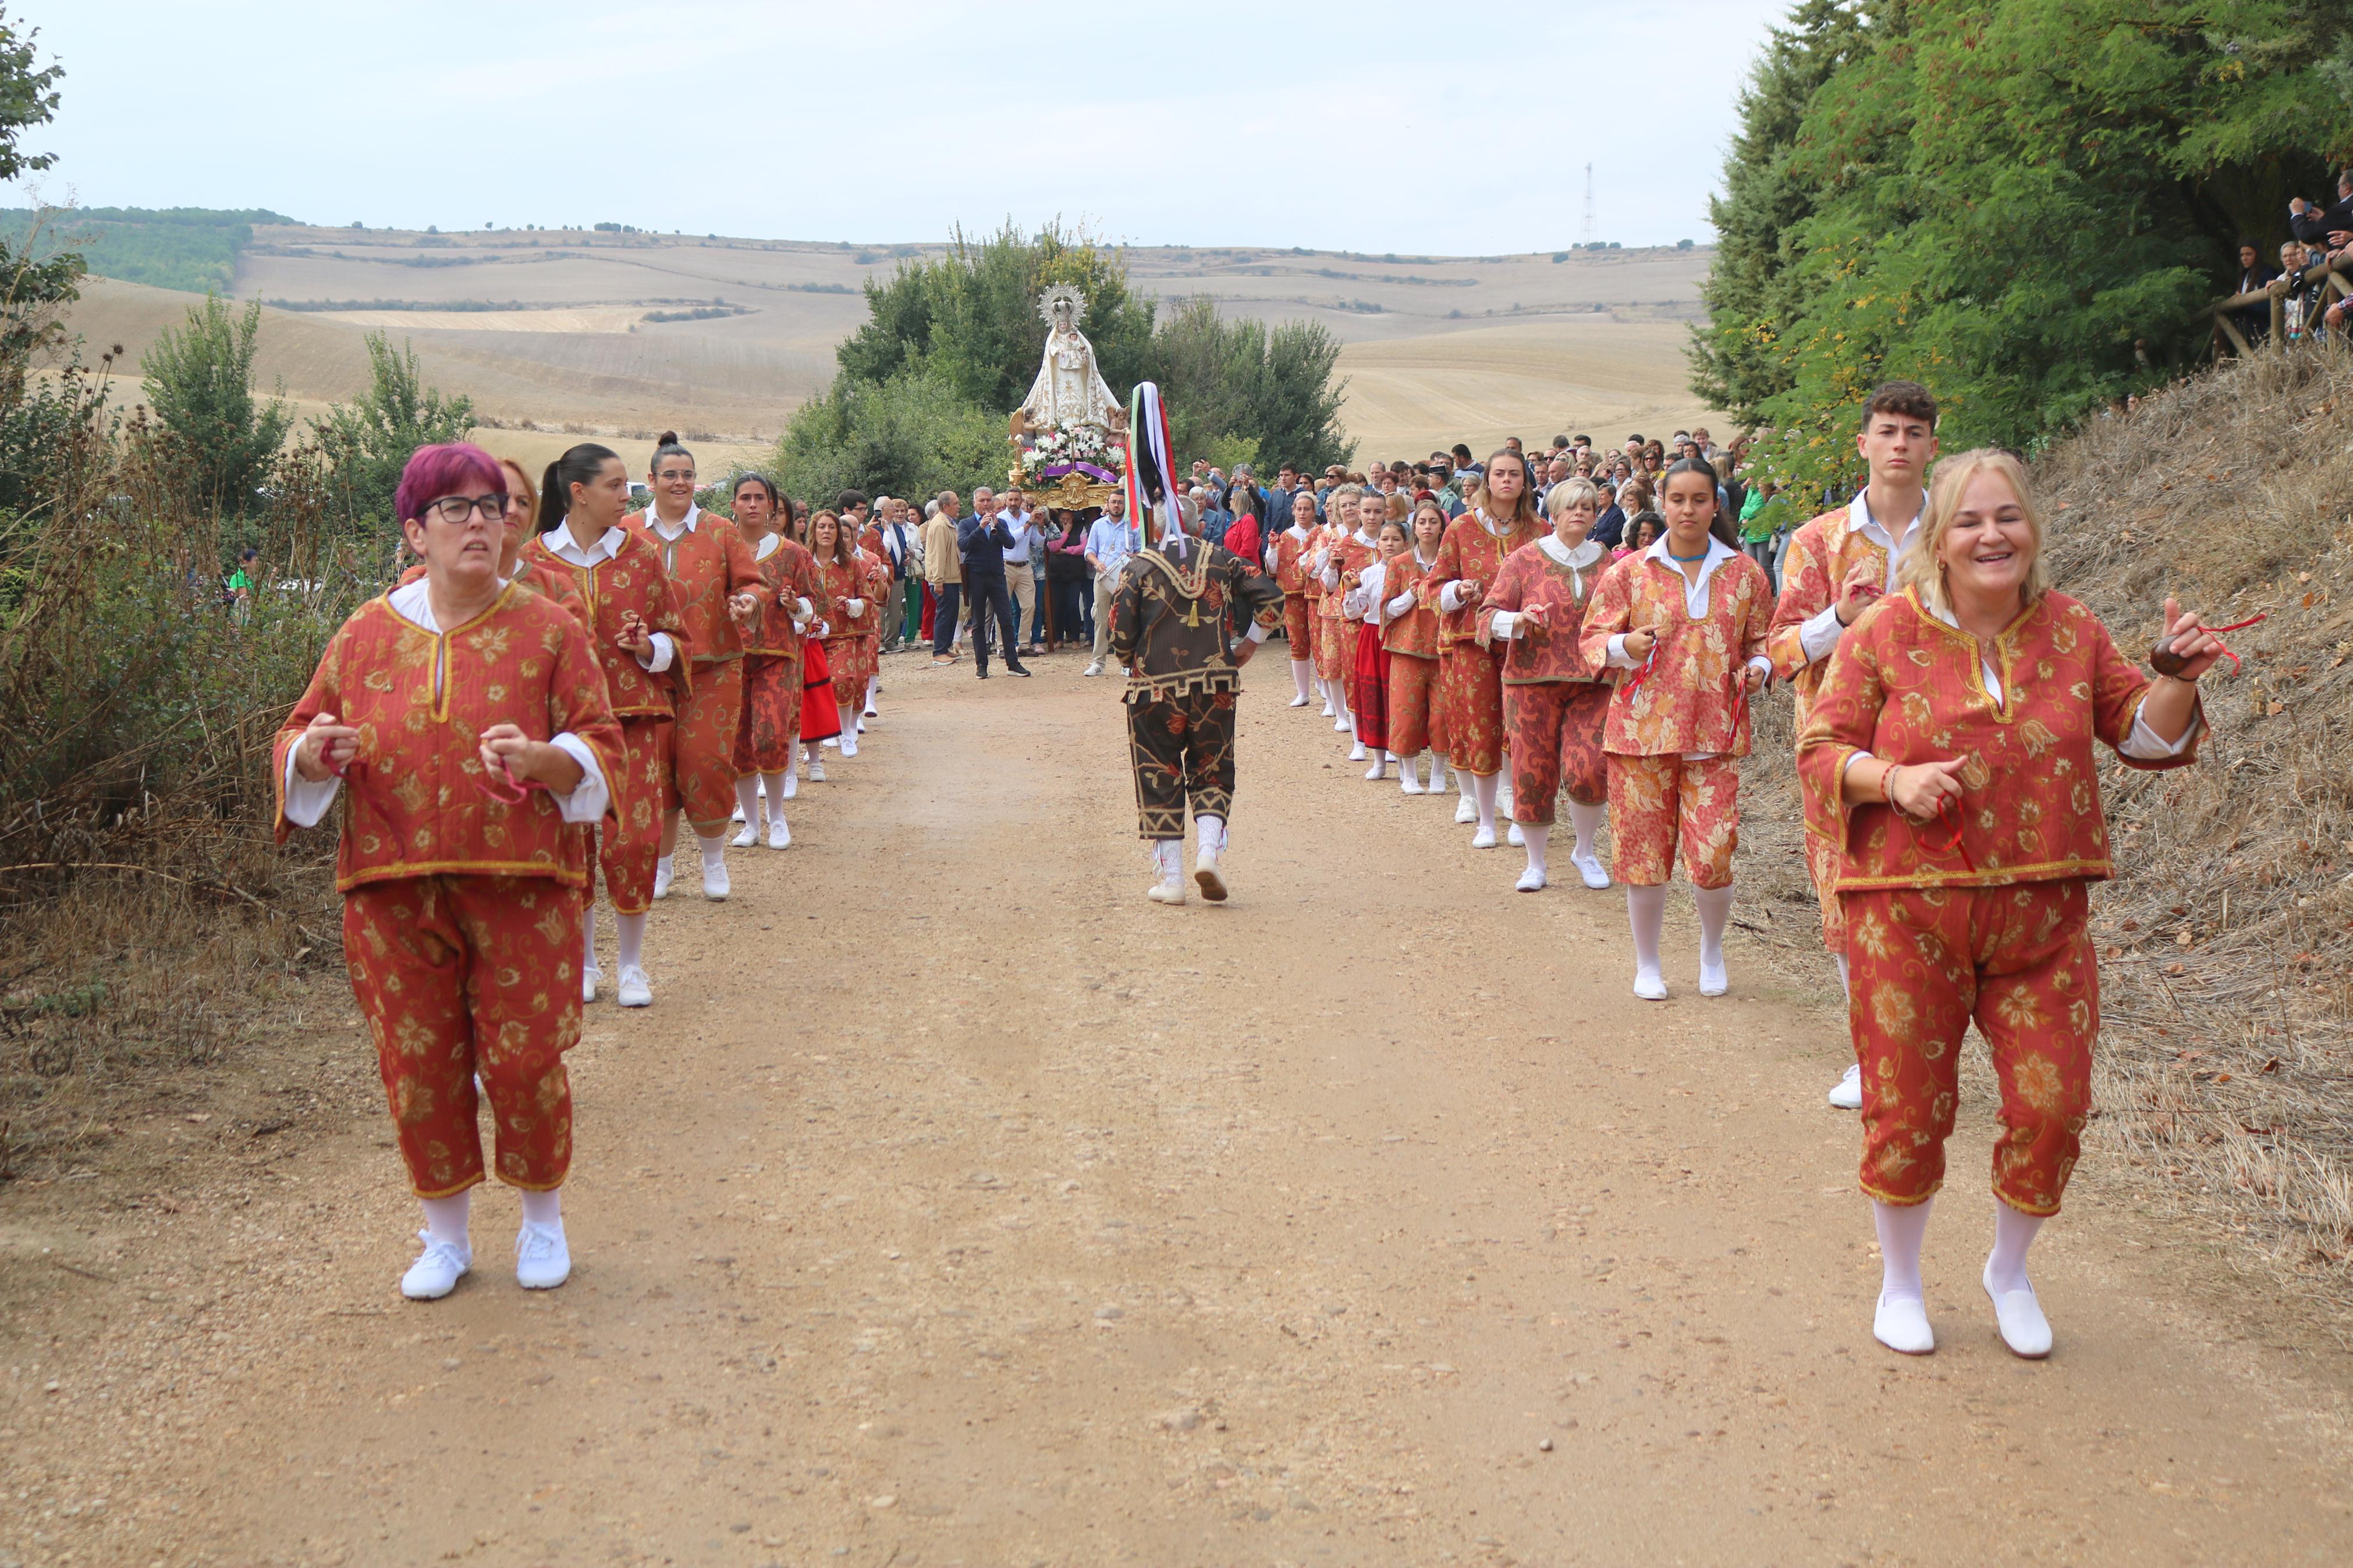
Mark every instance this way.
x=666 y=445
x=1718 y=524
x=1524 y=508
x=579 y=466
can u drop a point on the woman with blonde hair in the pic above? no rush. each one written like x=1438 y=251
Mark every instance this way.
x=1950 y=755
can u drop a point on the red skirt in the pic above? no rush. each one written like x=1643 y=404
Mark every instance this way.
x=820 y=714
x=1372 y=667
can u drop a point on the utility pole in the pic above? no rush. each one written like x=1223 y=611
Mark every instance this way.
x=1587 y=234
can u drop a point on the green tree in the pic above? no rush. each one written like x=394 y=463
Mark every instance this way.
x=200 y=385
x=913 y=435
x=367 y=443
x=37 y=279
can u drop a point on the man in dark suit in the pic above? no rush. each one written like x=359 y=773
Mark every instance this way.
x=983 y=537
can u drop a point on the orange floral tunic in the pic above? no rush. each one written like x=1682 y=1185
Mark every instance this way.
x=1414 y=632
x=1693 y=700
x=788 y=573
x=1473 y=554
x=1289 y=575
x=414 y=802
x=1907 y=688
x=1530 y=576
x=630 y=581
x=707 y=565
x=1821 y=552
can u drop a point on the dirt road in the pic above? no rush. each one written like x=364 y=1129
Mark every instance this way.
x=953 y=1205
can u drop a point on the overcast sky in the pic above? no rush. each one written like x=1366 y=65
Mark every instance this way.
x=1362 y=126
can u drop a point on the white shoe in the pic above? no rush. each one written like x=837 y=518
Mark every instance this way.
x=1408 y=780
x=588 y=978
x=874 y=713
x=1484 y=840
x=792 y=783
x=779 y=836
x=1379 y=772
x=1590 y=868
x=1096 y=669
x=1901 y=1323
x=1847 y=1093
x=1340 y=724
x=714 y=880
x=1649 y=986
x=542 y=1260
x=635 y=991
x=437 y=1272
x=1531 y=881
x=1712 y=980
x=749 y=837
x=739 y=813
x=662 y=873
x=833 y=741
x=1513 y=837
x=1327 y=710
x=1465 y=810
x=817 y=768
x=1211 y=881
x=2019 y=1318
x=849 y=744
x=1171 y=892
x=1357 y=753
x=1301 y=702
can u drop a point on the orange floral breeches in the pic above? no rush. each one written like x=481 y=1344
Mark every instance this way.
x=768 y=727
x=1470 y=704
x=1556 y=730
x=1922 y=962
x=1656 y=801
x=1294 y=626
x=854 y=662
x=463 y=976
x=629 y=840
x=1334 y=647
x=1412 y=680
x=706 y=746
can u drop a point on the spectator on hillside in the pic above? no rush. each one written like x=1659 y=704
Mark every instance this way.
x=2255 y=275
x=2331 y=226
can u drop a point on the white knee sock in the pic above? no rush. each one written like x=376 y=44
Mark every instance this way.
x=774 y=784
x=1839 y=959
x=1168 y=857
x=588 y=936
x=747 y=795
x=1462 y=781
x=1586 y=820
x=1901 y=1229
x=873 y=686
x=714 y=850
x=1211 y=833
x=662 y=865
x=1535 y=836
x=545 y=1208
x=1437 y=773
x=1714 y=913
x=1646 y=911
x=1301 y=668
x=2013 y=1233
x=445 y=1218
x=633 y=941
x=1483 y=795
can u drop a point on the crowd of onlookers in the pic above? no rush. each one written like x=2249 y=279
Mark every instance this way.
x=2322 y=242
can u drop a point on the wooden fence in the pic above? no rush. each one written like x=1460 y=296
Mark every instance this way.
x=2324 y=286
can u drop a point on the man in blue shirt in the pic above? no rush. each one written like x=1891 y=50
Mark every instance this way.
x=1111 y=540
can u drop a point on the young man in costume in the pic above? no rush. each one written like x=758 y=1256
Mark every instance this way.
x=1167 y=628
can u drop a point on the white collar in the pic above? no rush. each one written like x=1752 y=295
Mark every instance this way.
x=1418 y=560
x=693 y=515
x=608 y=545
x=1719 y=553
x=1859 y=518
x=1361 y=537
x=769 y=547
x=413 y=603
x=1587 y=552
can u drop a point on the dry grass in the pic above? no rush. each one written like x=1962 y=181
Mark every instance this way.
x=2225 y=1079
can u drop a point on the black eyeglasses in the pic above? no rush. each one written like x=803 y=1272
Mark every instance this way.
x=458 y=508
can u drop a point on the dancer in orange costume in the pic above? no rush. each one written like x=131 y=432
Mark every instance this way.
x=1324 y=603
x=623 y=596
x=1501 y=518
x=1836 y=566
x=844 y=576
x=1409 y=632
x=470 y=755
x=1949 y=756
x=514 y=566
x=768 y=732
x=874 y=587
x=1290 y=576
x=1686 y=619
x=1354 y=553
x=713 y=579
x=1368 y=597
x=1554 y=700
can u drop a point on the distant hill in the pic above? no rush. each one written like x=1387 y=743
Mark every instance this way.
x=190 y=249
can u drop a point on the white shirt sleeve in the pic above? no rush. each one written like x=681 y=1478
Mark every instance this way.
x=2142 y=745
x=1820 y=634
x=1762 y=664
x=1507 y=624
x=1402 y=603
x=1451 y=596
x=658 y=660
x=588 y=799
x=1259 y=633
x=1617 y=658
x=307 y=803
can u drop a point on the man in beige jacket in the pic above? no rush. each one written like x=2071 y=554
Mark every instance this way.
x=944 y=570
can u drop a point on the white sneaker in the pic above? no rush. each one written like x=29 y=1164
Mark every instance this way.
x=1408 y=780
x=1340 y=724
x=1847 y=1093
x=1712 y=980
x=849 y=744
x=832 y=740
x=779 y=836
x=714 y=880
x=1484 y=840
x=1327 y=710
x=1901 y=1323
x=1170 y=892
x=1301 y=702
x=662 y=873
x=1464 y=811
x=817 y=768
x=792 y=783
x=588 y=978
x=1206 y=873
x=749 y=837
x=542 y=1260
x=1095 y=667
x=1513 y=837
x=1589 y=866
x=635 y=991
x=437 y=1272
x=1649 y=986
x=1379 y=772
x=1531 y=881
x=1357 y=753
x=2019 y=1318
